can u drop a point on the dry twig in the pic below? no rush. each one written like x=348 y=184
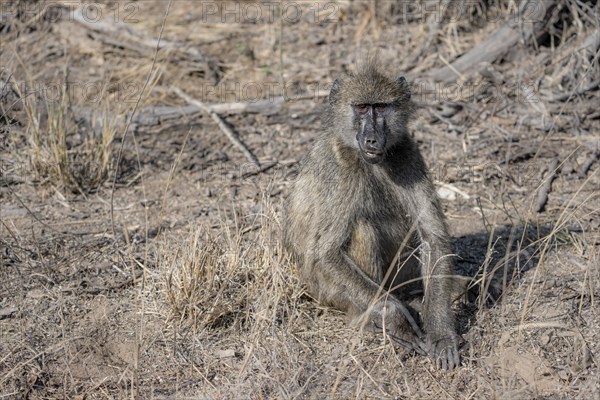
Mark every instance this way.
x=547 y=186
x=232 y=136
x=588 y=163
x=590 y=86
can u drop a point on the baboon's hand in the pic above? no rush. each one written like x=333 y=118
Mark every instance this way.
x=398 y=323
x=444 y=351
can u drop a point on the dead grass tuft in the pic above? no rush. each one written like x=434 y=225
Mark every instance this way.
x=226 y=281
x=202 y=281
x=60 y=154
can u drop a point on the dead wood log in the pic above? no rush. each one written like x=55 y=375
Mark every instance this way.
x=155 y=115
x=530 y=21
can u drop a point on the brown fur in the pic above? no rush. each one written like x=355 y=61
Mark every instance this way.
x=347 y=219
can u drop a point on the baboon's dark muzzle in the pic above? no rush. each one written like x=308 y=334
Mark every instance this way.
x=372 y=145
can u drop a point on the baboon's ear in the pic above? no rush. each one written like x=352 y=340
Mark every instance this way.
x=334 y=92
x=403 y=85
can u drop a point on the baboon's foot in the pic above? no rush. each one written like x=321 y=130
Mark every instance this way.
x=444 y=351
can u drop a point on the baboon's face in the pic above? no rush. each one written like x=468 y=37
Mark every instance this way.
x=373 y=130
x=371 y=112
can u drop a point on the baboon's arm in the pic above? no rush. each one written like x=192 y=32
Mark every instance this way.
x=437 y=271
x=436 y=258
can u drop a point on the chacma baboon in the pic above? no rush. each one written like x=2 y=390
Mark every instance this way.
x=363 y=221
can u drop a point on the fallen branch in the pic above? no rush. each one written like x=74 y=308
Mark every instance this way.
x=547 y=186
x=501 y=41
x=224 y=128
x=260 y=170
x=454 y=189
x=158 y=115
x=155 y=115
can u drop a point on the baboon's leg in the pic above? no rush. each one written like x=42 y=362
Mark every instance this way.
x=342 y=284
x=338 y=281
x=364 y=251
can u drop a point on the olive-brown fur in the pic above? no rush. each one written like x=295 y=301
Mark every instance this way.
x=346 y=220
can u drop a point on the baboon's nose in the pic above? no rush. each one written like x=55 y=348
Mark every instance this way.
x=372 y=145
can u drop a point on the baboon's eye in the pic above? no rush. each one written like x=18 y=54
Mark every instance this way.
x=361 y=108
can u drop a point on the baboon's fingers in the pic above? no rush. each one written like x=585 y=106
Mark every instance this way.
x=396 y=339
x=455 y=356
x=411 y=321
x=402 y=342
x=445 y=356
x=450 y=358
x=433 y=355
x=444 y=360
x=419 y=351
x=420 y=347
x=416 y=346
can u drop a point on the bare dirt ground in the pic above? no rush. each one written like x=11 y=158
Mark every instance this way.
x=142 y=260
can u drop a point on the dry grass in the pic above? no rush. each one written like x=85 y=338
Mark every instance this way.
x=215 y=282
x=257 y=333
x=52 y=152
x=193 y=297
